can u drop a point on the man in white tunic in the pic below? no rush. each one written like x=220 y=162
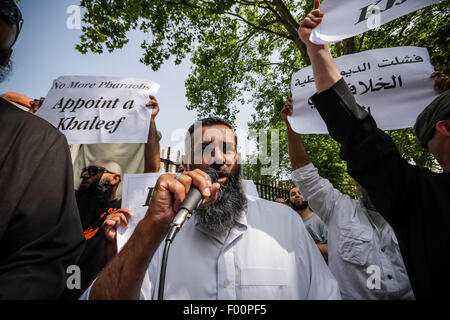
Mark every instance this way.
x=235 y=247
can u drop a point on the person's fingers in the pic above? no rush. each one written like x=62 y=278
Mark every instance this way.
x=205 y=176
x=122 y=218
x=445 y=85
x=178 y=191
x=152 y=101
x=436 y=74
x=290 y=104
x=308 y=23
x=316 y=4
x=317 y=13
x=109 y=229
x=111 y=221
x=314 y=18
x=110 y=233
x=114 y=221
x=124 y=211
x=438 y=83
x=286 y=110
x=186 y=180
x=214 y=194
x=201 y=180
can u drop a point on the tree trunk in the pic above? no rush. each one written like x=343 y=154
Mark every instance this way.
x=349 y=45
x=286 y=18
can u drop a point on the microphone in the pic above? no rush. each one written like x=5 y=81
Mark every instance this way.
x=190 y=203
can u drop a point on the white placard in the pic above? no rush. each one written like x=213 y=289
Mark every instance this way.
x=250 y=188
x=345 y=19
x=393 y=84
x=90 y=109
x=136 y=195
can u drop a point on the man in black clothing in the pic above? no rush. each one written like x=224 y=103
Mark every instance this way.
x=96 y=196
x=96 y=199
x=40 y=229
x=415 y=201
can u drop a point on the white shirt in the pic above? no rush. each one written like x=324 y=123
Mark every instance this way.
x=363 y=252
x=268 y=254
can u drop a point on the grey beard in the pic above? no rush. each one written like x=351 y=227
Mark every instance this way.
x=5 y=71
x=220 y=216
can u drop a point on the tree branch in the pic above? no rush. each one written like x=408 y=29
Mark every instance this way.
x=283 y=35
x=292 y=27
x=282 y=65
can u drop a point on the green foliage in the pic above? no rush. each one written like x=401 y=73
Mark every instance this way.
x=244 y=53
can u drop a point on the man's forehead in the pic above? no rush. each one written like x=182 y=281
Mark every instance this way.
x=217 y=132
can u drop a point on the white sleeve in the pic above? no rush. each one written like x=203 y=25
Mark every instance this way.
x=313 y=270
x=85 y=295
x=318 y=191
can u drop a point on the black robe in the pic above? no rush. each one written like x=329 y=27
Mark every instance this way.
x=413 y=200
x=40 y=229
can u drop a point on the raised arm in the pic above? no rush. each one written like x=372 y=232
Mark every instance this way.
x=151 y=154
x=297 y=152
x=363 y=146
x=325 y=70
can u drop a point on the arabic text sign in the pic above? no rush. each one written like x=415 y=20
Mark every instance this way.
x=345 y=19
x=136 y=195
x=99 y=109
x=393 y=84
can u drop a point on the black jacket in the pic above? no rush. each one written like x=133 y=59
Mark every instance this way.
x=40 y=229
x=415 y=201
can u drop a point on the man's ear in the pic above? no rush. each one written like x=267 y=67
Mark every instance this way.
x=443 y=127
x=115 y=179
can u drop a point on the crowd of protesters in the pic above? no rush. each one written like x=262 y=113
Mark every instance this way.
x=317 y=244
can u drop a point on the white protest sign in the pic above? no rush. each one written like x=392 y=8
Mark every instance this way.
x=136 y=195
x=90 y=109
x=345 y=19
x=250 y=188
x=393 y=84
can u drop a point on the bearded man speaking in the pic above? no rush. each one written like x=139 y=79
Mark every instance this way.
x=236 y=246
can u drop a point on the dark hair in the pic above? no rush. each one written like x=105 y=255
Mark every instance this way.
x=211 y=121
x=292 y=187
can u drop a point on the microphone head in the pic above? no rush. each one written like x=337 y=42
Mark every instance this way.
x=212 y=173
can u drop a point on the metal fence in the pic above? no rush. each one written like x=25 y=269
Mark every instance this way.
x=269 y=188
x=170 y=161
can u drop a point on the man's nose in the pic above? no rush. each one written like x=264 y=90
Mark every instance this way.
x=218 y=156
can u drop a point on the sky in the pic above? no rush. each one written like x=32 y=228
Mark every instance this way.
x=46 y=50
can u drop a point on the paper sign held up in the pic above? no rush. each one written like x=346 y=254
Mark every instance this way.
x=345 y=19
x=90 y=109
x=393 y=84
